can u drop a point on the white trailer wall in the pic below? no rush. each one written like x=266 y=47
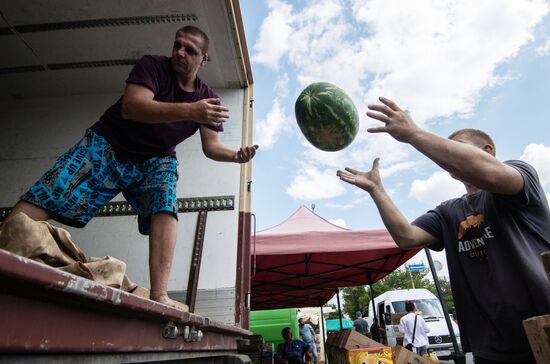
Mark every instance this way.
x=34 y=132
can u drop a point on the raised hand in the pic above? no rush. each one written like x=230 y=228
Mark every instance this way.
x=368 y=181
x=397 y=122
x=209 y=112
x=245 y=154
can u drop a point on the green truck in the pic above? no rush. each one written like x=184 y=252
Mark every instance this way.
x=270 y=323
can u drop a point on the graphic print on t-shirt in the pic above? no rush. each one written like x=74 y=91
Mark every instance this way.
x=473 y=235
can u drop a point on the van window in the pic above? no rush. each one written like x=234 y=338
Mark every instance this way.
x=428 y=308
x=381 y=314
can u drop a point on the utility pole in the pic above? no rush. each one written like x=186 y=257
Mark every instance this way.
x=410 y=275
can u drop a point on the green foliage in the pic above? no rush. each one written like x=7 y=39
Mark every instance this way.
x=358 y=298
x=446 y=289
x=355 y=299
x=334 y=314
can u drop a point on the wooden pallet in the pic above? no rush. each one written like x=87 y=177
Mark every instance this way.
x=538 y=333
x=538 y=328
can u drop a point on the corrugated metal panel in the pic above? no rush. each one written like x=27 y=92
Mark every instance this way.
x=217 y=304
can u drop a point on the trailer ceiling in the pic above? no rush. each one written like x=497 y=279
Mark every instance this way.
x=59 y=47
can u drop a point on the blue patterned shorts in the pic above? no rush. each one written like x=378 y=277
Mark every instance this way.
x=89 y=175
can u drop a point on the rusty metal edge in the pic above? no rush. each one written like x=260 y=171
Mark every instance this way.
x=25 y=272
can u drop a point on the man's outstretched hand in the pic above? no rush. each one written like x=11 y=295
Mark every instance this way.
x=245 y=154
x=397 y=122
x=368 y=181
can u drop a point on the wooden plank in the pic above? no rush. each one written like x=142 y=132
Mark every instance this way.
x=537 y=330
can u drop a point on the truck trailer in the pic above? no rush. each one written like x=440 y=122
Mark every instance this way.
x=64 y=63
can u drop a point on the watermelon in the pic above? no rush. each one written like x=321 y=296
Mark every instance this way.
x=326 y=116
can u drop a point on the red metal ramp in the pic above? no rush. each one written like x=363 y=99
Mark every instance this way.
x=44 y=310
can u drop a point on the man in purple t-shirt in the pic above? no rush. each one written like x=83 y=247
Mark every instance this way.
x=493 y=235
x=131 y=149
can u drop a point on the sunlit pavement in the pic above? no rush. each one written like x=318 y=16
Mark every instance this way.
x=469 y=360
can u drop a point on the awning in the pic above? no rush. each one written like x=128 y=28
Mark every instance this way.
x=302 y=261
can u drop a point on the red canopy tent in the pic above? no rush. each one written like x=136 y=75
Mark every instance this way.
x=302 y=261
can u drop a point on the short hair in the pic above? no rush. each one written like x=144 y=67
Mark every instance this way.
x=300 y=319
x=476 y=136
x=193 y=30
x=409 y=306
x=283 y=332
x=358 y=313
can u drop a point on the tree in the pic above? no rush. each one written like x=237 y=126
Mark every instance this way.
x=446 y=290
x=357 y=298
x=334 y=314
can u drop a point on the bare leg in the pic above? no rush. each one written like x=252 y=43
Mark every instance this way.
x=162 y=242
x=34 y=212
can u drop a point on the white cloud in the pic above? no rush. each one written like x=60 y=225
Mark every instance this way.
x=273 y=40
x=331 y=205
x=396 y=168
x=361 y=154
x=312 y=184
x=410 y=55
x=439 y=187
x=538 y=156
x=434 y=62
x=458 y=43
x=281 y=86
x=544 y=49
x=335 y=160
x=339 y=222
x=267 y=131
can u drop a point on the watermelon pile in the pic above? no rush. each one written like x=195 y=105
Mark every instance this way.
x=327 y=116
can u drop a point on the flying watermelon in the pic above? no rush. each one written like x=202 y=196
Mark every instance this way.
x=327 y=116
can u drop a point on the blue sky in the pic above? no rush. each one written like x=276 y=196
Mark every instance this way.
x=452 y=64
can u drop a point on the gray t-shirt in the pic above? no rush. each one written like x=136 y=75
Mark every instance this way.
x=361 y=326
x=493 y=244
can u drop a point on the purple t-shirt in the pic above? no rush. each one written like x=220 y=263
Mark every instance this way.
x=135 y=139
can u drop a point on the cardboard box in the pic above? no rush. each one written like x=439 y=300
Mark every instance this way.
x=404 y=356
x=355 y=340
x=342 y=343
x=395 y=317
x=380 y=355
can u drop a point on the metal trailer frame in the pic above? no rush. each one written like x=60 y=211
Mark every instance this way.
x=48 y=311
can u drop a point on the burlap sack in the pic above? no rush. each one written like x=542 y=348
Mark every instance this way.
x=42 y=242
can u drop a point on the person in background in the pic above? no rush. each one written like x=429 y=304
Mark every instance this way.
x=291 y=351
x=308 y=336
x=414 y=330
x=360 y=324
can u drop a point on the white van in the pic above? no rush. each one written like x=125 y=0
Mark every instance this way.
x=427 y=305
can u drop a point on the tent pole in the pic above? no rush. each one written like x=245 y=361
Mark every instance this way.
x=322 y=318
x=375 y=332
x=339 y=308
x=458 y=353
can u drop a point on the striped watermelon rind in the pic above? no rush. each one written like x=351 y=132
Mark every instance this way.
x=327 y=116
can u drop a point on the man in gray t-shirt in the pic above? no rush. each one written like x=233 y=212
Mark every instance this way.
x=360 y=324
x=493 y=235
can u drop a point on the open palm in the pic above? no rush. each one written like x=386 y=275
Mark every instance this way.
x=368 y=181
